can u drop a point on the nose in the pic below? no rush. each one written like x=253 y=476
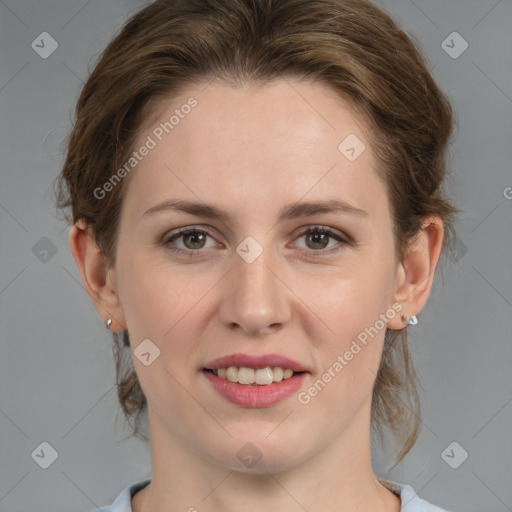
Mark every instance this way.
x=255 y=296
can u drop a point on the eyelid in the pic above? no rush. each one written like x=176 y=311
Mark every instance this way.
x=176 y=233
x=343 y=240
x=344 y=237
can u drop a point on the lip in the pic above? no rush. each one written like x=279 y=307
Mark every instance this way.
x=250 y=361
x=255 y=396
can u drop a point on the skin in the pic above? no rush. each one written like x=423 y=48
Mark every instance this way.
x=271 y=145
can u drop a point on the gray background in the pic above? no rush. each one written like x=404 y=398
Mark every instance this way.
x=56 y=365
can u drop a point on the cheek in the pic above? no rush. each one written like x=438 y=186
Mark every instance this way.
x=158 y=305
x=164 y=304
x=153 y=297
x=354 y=307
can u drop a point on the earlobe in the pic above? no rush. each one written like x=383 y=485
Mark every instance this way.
x=98 y=280
x=415 y=275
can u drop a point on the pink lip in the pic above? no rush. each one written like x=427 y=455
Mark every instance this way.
x=255 y=396
x=255 y=362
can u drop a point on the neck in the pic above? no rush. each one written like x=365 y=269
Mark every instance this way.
x=338 y=478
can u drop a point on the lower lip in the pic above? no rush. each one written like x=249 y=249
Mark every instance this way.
x=256 y=396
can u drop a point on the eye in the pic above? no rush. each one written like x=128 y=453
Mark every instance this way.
x=317 y=238
x=193 y=239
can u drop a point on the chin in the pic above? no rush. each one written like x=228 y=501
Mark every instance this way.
x=260 y=455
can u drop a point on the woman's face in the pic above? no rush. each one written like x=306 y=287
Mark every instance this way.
x=256 y=286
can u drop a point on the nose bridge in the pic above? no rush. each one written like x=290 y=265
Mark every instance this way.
x=256 y=294
x=253 y=276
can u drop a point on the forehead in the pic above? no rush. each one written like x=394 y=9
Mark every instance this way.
x=286 y=107
x=279 y=141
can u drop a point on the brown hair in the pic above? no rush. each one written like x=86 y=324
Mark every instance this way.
x=352 y=46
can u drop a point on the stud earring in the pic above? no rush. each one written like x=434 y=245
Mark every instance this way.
x=410 y=320
x=108 y=323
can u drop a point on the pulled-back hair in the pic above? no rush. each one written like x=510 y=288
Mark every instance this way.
x=352 y=46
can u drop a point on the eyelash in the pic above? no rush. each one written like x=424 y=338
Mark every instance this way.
x=166 y=240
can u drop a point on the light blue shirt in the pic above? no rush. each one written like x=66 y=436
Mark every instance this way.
x=411 y=502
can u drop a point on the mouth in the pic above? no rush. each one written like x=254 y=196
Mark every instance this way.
x=253 y=376
x=255 y=381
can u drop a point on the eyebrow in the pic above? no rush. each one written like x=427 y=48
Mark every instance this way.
x=290 y=211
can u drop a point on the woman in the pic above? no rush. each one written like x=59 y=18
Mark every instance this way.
x=257 y=215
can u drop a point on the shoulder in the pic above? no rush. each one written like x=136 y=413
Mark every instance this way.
x=123 y=502
x=411 y=502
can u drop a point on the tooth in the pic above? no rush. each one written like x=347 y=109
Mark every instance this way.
x=245 y=375
x=232 y=374
x=263 y=376
x=278 y=374
x=287 y=373
x=259 y=376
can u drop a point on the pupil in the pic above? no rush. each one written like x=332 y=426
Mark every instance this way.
x=315 y=239
x=194 y=235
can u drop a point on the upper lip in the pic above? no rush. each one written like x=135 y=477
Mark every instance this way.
x=249 y=361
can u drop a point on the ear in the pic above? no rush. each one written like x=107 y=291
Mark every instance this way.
x=415 y=275
x=99 y=281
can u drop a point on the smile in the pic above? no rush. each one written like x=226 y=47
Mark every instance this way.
x=253 y=376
